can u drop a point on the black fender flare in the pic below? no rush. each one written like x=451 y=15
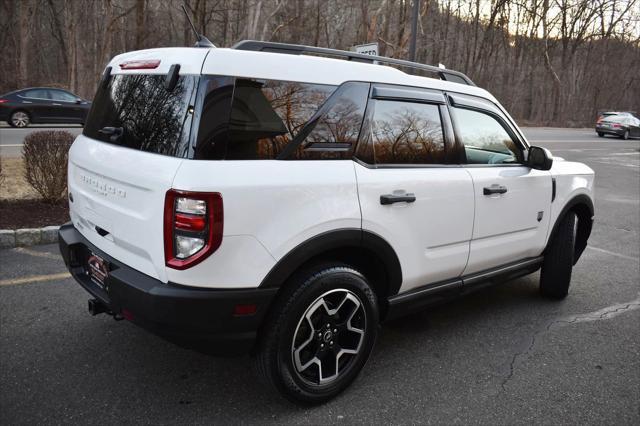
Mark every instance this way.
x=585 y=222
x=337 y=239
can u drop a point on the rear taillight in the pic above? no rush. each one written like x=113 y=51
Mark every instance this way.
x=193 y=224
x=2 y=101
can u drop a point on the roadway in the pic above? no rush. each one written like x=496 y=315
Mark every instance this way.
x=500 y=356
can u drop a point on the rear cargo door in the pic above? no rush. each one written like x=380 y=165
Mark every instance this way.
x=135 y=138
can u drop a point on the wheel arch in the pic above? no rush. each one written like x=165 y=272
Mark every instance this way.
x=21 y=109
x=582 y=206
x=368 y=252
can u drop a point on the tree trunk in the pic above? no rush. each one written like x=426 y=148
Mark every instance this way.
x=25 y=12
x=140 y=23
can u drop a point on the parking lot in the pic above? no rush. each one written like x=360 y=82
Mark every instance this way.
x=499 y=356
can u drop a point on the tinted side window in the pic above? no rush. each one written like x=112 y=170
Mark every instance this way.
x=37 y=94
x=214 y=108
x=59 y=95
x=485 y=140
x=266 y=115
x=335 y=133
x=407 y=133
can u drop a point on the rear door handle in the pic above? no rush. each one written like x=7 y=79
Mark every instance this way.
x=400 y=198
x=494 y=189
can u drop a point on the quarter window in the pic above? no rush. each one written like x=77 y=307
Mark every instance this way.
x=484 y=139
x=407 y=133
x=335 y=133
x=267 y=115
x=59 y=95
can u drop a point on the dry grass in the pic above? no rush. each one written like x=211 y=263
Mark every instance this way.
x=15 y=186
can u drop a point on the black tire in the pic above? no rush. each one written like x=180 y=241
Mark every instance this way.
x=288 y=340
x=555 y=275
x=25 y=119
x=601 y=134
x=625 y=135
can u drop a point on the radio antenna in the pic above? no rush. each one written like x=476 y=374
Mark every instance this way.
x=201 y=41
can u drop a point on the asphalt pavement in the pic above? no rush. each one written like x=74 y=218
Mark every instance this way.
x=11 y=140
x=499 y=356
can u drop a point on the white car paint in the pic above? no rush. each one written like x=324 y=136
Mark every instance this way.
x=272 y=206
x=280 y=204
x=431 y=235
x=121 y=191
x=572 y=179
x=506 y=226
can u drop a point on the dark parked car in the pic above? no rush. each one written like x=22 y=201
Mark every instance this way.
x=42 y=105
x=622 y=125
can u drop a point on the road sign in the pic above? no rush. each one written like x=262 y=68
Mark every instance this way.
x=366 y=49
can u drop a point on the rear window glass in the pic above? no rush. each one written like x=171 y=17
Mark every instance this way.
x=137 y=111
x=267 y=115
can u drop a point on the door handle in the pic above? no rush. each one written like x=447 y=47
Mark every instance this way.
x=57 y=104
x=400 y=198
x=494 y=189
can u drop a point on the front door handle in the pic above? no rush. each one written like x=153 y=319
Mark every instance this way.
x=400 y=198
x=494 y=189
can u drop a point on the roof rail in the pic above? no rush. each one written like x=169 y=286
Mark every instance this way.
x=297 y=49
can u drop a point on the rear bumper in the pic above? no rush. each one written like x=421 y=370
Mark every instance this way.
x=198 y=318
x=610 y=131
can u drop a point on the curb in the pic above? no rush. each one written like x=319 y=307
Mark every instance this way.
x=10 y=238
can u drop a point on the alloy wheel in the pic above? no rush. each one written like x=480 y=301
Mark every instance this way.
x=328 y=337
x=20 y=119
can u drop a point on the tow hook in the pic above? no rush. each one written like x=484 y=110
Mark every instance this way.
x=96 y=307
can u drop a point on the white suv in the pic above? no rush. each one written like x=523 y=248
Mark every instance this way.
x=247 y=200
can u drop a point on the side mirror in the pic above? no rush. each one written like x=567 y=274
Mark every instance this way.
x=539 y=158
x=78 y=100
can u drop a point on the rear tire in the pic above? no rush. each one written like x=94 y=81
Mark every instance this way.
x=625 y=135
x=601 y=134
x=557 y=266
x=19 y=119
x=319 y=334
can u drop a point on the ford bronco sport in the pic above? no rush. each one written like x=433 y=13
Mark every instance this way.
x=283 y=200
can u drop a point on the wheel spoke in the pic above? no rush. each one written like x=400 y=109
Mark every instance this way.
x=299 y=365
x=330 y=338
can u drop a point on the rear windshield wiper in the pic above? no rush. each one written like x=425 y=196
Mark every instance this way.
x=114 y=133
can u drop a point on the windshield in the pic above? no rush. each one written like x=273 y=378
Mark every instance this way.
x=138 y=112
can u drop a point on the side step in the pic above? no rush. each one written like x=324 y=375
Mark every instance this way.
x=436 y=293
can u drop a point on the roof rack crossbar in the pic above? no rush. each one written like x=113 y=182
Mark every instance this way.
x=296 y=49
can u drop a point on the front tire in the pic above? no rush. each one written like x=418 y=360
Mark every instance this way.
x=320 y=334
x=555 y=275
x=19 y=119
x=601 y=134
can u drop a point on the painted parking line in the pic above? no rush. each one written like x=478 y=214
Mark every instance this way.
x=623 y=256
x=35 y=279
x=46 y=255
